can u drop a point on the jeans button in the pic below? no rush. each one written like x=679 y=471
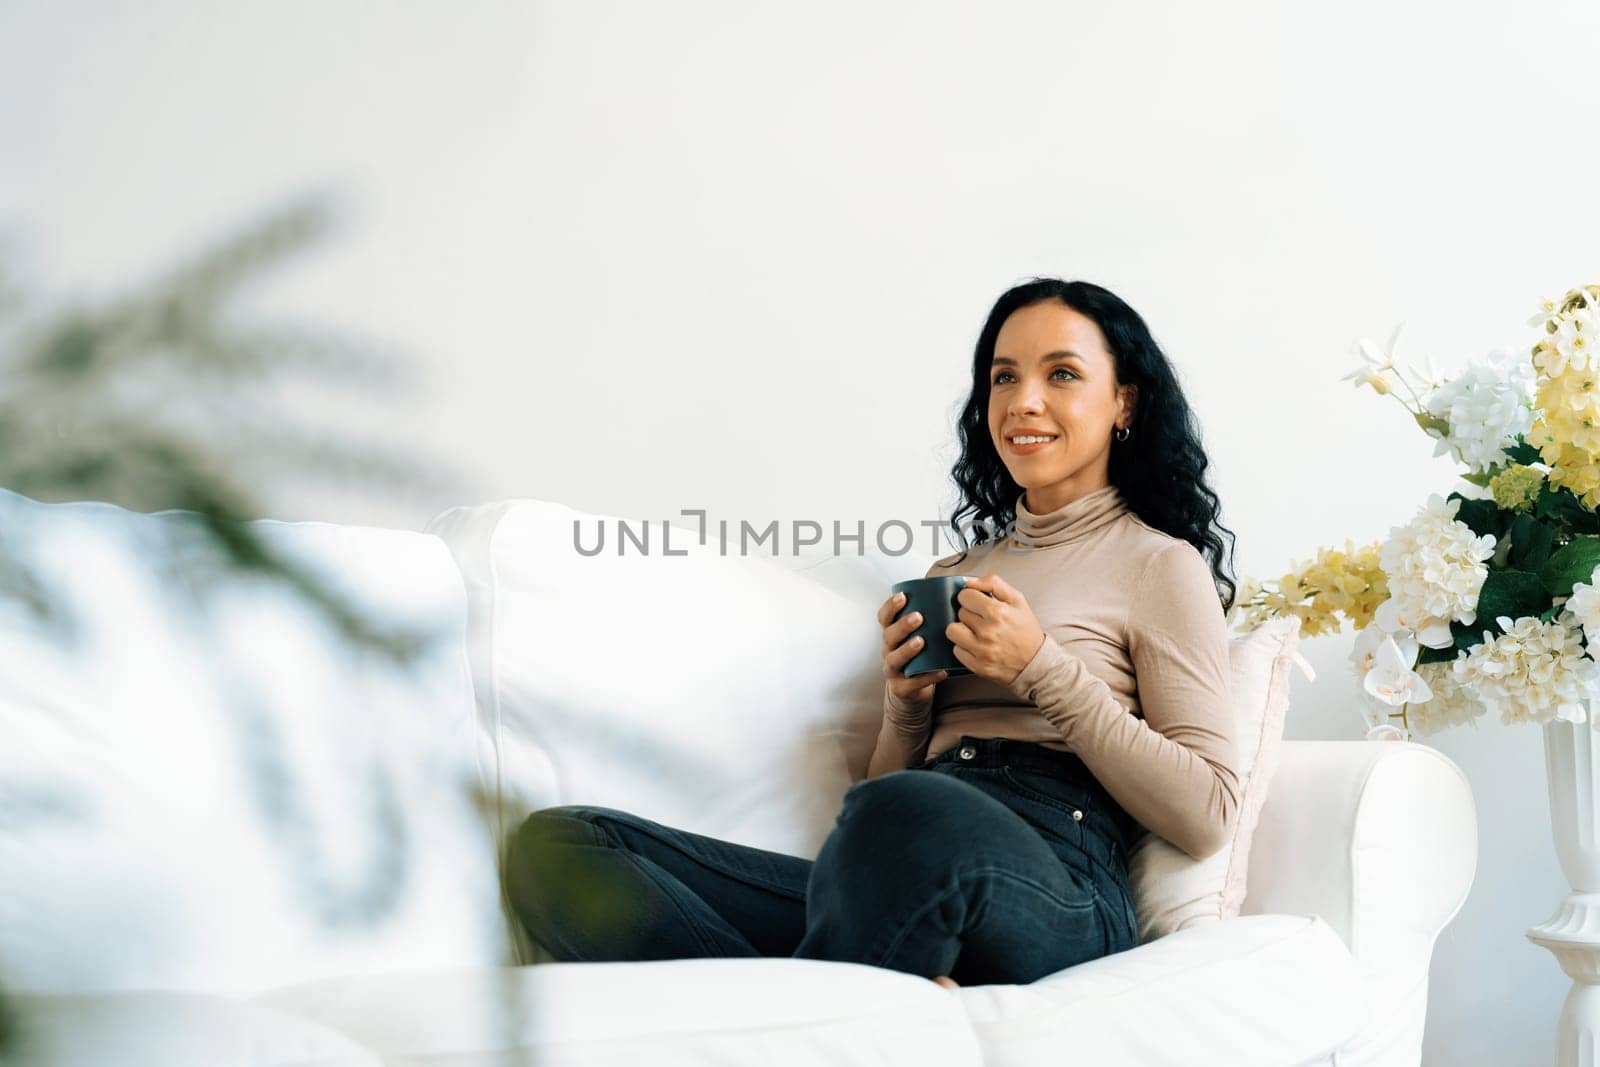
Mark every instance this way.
x=1077 y=816
x=967 y=752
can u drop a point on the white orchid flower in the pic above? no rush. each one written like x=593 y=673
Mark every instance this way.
x=1430 y=372
x=1366 y=648
x=1391 y=349
x=1392 y=680
x=1429 y=630
x=1376 y=364
x=1365 y=653
x=1549 y=308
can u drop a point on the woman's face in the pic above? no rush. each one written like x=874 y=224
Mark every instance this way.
x=1053 y=375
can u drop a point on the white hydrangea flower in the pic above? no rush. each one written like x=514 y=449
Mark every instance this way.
x=1583 y=609
x=1533 y=672
x=1487 y=406
x=1436 y=569
x=1453 y=703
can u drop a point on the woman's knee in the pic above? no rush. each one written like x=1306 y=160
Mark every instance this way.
x=927 y=825
x=551 y=882
x=533 y=852
x=901 y=798
x=905 y=816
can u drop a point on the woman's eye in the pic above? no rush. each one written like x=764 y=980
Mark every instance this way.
x=1007 y=374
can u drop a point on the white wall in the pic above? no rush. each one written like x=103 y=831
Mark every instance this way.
x=734 y=256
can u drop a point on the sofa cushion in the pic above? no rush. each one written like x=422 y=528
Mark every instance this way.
x=727 y=695
x=222 y=796
x=665 y=1013
x=1260 y=990
x=1171 y=889
x=161 y=1029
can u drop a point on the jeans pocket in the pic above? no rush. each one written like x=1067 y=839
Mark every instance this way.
x=1070 y=798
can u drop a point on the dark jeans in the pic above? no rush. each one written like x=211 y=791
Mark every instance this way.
x=1000 y=861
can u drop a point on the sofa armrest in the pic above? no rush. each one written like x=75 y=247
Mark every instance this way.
x=1378 y=838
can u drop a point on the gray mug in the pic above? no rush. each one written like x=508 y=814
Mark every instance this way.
x=936 y=599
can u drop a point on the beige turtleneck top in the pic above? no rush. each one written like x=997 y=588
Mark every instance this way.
x=1133 y=673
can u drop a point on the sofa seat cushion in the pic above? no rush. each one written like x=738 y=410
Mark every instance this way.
x=772 y=1012
x=1263 y=989
x=169 y=1029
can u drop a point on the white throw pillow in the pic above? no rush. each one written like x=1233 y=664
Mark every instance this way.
x=736 y=696
x=1171 y=889
x=725 y=694
x=230 y=798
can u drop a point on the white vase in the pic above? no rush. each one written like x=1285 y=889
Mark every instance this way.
x=1571 y=756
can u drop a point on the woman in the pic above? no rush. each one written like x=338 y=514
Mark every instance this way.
x=989 y=841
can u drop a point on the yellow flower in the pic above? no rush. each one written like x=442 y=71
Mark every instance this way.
x=1347 y=583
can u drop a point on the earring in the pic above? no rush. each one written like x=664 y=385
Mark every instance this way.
x=1122 y=433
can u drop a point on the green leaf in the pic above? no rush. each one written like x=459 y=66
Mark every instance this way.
x=1510 y=593
x=1531 y=541
x=1522 y=452
x=1477 y=478
x=1572 y=563
x=1432 y=424
x=1567 y=509
x=1549 y=613
x=1548 y=505
x=1481 y=516
x=1470 y=637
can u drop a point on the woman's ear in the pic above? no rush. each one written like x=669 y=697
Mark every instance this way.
x=1130 y=401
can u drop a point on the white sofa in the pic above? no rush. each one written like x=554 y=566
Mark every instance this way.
x=229 y=839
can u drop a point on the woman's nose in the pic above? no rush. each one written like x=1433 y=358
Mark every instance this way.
x=1026 y=399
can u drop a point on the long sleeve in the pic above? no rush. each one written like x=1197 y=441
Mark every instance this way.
x=1176 y=769
x=902 y=736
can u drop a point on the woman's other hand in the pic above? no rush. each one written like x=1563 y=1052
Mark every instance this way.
x=995 y=633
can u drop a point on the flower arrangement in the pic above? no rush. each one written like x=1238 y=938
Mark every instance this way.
x=1487 y=600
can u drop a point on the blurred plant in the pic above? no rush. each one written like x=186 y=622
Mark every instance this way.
x=155 y=401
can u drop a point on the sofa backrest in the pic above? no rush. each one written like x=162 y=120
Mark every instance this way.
x=220 y=794
x=731 y=695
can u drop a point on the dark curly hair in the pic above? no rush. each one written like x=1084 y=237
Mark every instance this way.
x=1159 y=471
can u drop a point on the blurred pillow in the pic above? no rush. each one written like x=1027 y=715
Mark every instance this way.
x=1171 y=889
x=225 y=796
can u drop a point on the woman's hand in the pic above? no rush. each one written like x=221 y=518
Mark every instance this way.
x=897 y=652
x=995 y=633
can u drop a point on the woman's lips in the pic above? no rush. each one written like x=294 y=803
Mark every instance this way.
x=1023 y=450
